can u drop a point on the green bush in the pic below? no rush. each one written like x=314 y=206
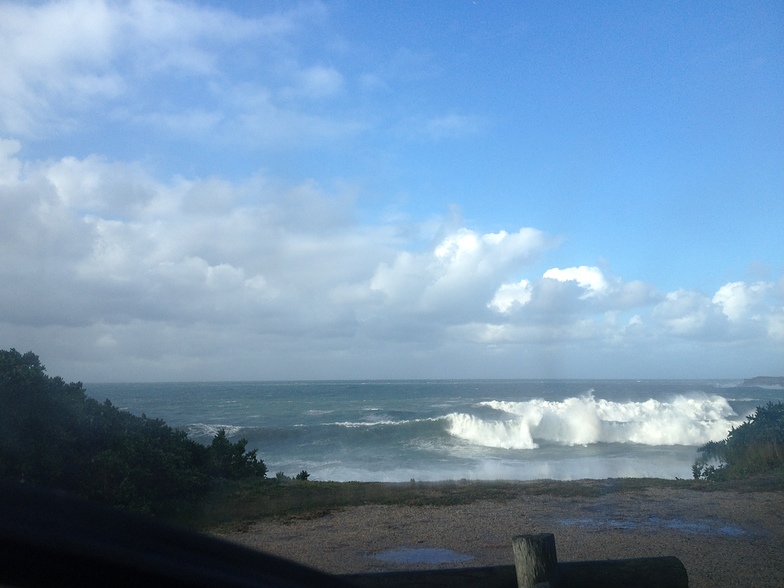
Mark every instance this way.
x=53 y=435
x=231 y=460
x=753 y=448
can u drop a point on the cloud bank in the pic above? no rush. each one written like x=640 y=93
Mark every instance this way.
x=142 y=236
x=117 y=275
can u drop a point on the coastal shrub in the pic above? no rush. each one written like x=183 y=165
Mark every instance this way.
x=231 y=460
x=53 y=435
x=753 y=448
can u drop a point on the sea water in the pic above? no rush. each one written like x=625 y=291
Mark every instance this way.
x=460 y=429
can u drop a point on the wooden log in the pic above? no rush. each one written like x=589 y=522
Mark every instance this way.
x=486 y=577
x=644 y=572
x=535 y=560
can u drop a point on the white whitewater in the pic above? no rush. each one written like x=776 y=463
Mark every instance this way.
x=684 y=420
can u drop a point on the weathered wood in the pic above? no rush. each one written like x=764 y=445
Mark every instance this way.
x=645 y=572
x=537 y=566
x=651 y=572
x=535 y=559
x=486 y=577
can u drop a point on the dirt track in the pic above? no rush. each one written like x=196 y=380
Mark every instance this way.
x=723 y=538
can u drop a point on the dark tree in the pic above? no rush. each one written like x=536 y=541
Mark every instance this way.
x=232 y=461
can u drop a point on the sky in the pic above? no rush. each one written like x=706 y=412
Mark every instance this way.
x=270 y=190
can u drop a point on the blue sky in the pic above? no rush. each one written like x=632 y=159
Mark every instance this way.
x=283 y=190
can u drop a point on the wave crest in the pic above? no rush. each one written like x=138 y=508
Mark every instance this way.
x=357 y=424
x=683 y=420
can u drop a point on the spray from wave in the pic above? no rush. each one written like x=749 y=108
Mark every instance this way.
x=585 y=420
x=386 y=422
x=204 y=430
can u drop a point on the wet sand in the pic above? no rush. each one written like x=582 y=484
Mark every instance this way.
x=723 y=538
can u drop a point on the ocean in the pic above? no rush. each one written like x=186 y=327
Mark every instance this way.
x=456 y=429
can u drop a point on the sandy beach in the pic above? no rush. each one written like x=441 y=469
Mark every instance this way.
x=723 y=538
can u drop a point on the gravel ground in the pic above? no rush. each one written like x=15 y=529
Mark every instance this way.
x=723 y=538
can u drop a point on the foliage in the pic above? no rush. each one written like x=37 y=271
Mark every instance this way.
x=236 y=506
x=53 y=435
x=303 y=475
x=231 y=460
x=753 y=448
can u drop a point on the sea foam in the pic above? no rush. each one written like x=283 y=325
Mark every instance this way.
x=200 y=430
x=585 y=420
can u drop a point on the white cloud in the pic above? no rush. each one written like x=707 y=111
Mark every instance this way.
x=72 y=67
x=116 y=245
x=589 y=278
x=101 y=254
x=132 y=61
x=97 y=186
x=687 y=313
x=776 y=325
x=191 y=71
x=460 y=273
x=635 y=322
x=10 y=166
x=314 y=83
x=736 y=299
x=737 y=311
x=509 y=295
x=560 y=295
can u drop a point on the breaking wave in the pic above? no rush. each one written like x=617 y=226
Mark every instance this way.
x=585 y=420
x=200 y=430
x=358 y=424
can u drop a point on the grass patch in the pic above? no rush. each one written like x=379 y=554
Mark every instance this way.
x=770 y=481
x=234 y=506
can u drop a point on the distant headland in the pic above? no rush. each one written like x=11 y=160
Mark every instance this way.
x=764 y=381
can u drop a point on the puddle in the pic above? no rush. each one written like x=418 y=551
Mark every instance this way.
x=700 y=527
x=426 y=555
x=590 y=522
x=696 y=527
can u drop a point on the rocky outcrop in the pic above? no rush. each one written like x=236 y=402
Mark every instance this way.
x=764 y=381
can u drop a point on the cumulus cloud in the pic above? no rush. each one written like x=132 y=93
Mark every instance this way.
x=687 y=313
x=560 y=294
x=90 y=240
x=509 y=295
x=590 y=279
x=459 y=274
x=737 y=299
x=737 y=311
x=101 y=261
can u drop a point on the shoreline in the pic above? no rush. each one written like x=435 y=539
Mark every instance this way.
x=724 y=537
